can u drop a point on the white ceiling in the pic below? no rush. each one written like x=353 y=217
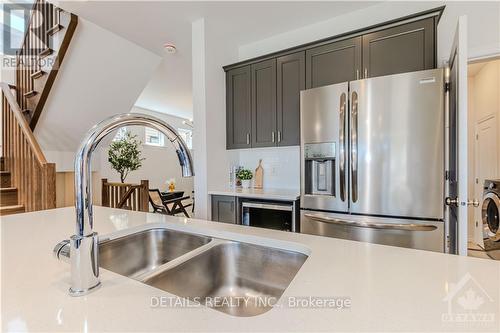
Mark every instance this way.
x=151 y=24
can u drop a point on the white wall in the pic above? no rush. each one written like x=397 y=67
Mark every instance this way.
x=200 y=117
x=101 y=75
x=483 y=25
x=281 y=165
x=212 y=162
x=160 y=164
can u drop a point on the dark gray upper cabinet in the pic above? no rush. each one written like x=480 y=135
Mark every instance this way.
x=224 y=208
x=404 y=48
x=264 y=103
x=263 y=94
x=290 y=81
x=238 y=108
x=334 y=63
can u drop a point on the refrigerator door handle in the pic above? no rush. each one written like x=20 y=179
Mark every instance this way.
x=372 y=225
x=342 y=147
x=354 y=146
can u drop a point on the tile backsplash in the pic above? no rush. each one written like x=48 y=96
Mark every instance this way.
x=281 y=165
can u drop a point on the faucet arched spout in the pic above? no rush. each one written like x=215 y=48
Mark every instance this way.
x=84 y=251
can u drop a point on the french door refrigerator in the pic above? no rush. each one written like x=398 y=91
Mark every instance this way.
x=373 y=160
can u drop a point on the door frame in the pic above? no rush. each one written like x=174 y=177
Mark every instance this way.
x=456 y=181
x=478 y=187
x=477 y=190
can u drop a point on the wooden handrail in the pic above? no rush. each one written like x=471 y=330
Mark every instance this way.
x=119 y=184
x=21 y=120
x=30 y=173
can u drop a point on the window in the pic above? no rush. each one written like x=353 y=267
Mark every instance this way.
x=187 y=136
x=120 y=134
x=154 y=137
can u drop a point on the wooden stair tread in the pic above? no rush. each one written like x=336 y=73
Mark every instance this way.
x=8 y=196
x=30 y=93
x=46 y=52
x=8 y=189
x=55 y=28
x=11 y=209
x=37 y=74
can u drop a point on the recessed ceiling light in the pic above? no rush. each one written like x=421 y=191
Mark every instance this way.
x=169 y=48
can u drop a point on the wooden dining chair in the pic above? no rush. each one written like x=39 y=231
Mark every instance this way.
x=156 y=202
x=161 y=206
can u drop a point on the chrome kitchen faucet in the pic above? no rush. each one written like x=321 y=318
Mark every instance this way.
x=84 y=248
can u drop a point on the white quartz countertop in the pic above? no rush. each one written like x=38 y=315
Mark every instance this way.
x=265 y=193
x=391 y=289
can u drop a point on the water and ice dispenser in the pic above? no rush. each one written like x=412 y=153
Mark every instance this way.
x=320 y=168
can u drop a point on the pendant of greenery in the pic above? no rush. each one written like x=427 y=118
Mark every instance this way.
x=124 y=155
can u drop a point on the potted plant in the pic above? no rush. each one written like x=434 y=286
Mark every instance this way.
x=124 y=155
x=245 y=175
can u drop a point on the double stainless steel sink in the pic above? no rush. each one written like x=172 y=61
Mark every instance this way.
x=138 y=254
x=236 y=278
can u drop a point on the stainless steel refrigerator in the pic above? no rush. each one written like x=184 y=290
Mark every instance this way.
x=372 y=160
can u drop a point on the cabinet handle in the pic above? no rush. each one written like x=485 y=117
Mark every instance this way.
x=366 y=73
x=248 y=138
x=272 y=136
x=279 y=136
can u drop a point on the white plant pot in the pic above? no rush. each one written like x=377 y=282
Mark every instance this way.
x=246 y=183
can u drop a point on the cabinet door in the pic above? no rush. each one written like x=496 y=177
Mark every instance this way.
x=264 y=104
x=405 y=48
x=291 y=79
x=333 y=63
x=224 y=208
x=238 y=108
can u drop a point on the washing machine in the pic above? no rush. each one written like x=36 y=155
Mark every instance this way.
x=490 y=209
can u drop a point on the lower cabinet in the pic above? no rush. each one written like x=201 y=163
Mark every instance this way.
x=253 y=212
x=224 y=209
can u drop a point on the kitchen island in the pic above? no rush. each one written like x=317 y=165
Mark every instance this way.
x=387 y=288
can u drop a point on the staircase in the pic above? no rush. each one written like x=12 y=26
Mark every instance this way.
x=27 y=180
x=8 y=194
x=45 y=43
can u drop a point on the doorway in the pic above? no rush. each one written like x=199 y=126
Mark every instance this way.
x=483 y=137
